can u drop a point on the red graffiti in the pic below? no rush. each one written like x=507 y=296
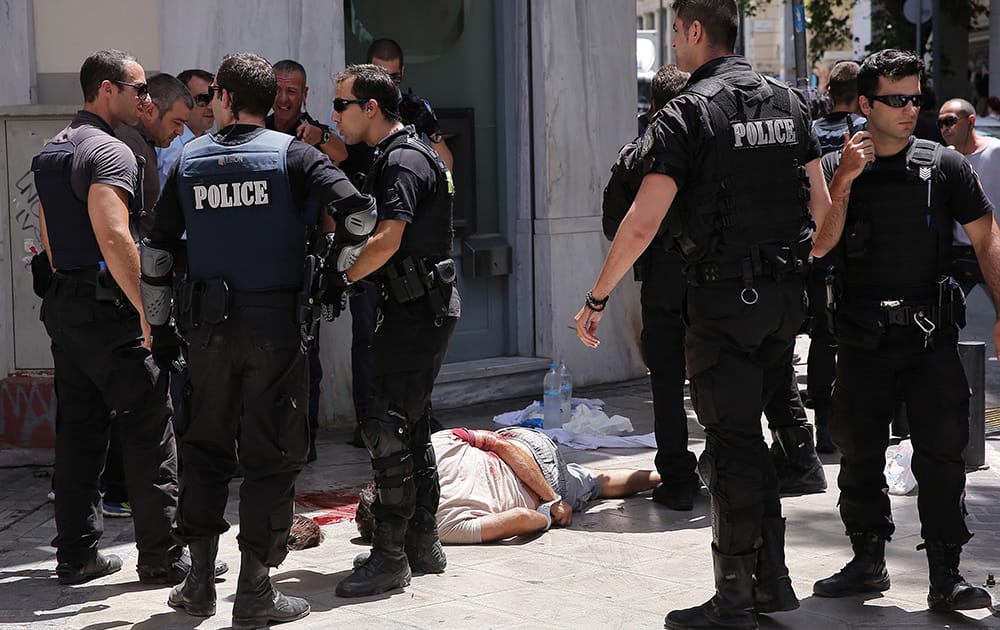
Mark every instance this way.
x=334 y=505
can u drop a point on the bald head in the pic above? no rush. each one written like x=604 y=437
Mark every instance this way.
x=959 y=105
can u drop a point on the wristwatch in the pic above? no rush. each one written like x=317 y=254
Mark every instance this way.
x=326 y=134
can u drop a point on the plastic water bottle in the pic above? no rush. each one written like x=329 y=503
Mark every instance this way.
x=551 y=400
x=565 y=391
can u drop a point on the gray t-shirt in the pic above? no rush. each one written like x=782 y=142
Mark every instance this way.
x=986 y=163
x=102 y=159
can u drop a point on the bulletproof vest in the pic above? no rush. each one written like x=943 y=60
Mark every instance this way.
x=430 y=233
x=754 y=195
x=897 y=234
x=71 y=236
x=830 y=129
x=242 y=223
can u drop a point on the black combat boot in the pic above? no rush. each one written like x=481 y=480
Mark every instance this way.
x=257 y=602
x=949 y=590
x=732 y=603
x=772 y=588
x=425 y=553
x=385 y=568
x=865 y=573
x=196 y=594
x=823 y=442
x=799 y=470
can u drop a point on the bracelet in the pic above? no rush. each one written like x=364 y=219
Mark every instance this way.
x=545 y=510
x=594 y=304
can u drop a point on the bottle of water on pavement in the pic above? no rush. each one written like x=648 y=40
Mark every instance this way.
x=565 y=391
x=552 y=399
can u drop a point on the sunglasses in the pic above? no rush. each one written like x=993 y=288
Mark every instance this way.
x=203 y=99
x=341 y=104
x=397 y=77
x=947 y=121
x=899 y=100
x=141 y=89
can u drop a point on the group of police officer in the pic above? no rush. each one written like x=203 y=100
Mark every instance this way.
x=740 y=206
x=264 y=235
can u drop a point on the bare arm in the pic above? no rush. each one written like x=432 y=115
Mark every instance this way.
x=985 y=239
x=516 y=522
x=819 y=194
x=634 y=235
x=380 y=248
x=334 y=149
x=857 y=153
x=445 y=153
x=45 y=233
x=108 y=209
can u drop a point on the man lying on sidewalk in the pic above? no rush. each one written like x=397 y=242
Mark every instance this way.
x=511 y=482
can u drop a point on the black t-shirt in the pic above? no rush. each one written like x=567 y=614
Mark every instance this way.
x=681 y=137
x=963 y=196
x=312 y=177
x=406 y=180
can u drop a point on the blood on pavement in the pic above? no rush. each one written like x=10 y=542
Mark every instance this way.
x=332 y=506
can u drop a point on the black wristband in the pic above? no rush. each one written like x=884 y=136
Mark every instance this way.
x=594 y=304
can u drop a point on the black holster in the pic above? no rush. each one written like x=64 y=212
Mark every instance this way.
x=202 y=302
x=106 y=288
x=412 y=278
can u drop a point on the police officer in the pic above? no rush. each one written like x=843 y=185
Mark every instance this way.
x=418 y=307
x=895 y=199
x=736 y=151
x=241 y=196
x=87 y=181
x=413 y=110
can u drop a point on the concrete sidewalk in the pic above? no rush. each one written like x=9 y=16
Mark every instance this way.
x=622 y=564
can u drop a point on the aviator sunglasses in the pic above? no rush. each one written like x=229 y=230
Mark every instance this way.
x=899 y=100
x=141 y=89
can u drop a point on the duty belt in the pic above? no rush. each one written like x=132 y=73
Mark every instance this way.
x=898 y=312
x=715 y=271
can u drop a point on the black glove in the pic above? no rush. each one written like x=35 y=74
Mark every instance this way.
x=417 y=112
x=168 y=348
x=336 y=288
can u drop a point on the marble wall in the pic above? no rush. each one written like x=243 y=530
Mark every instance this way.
x=583 y=110
x=17 y=49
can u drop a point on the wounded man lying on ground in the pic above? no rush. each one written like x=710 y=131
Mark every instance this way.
x=511 y=482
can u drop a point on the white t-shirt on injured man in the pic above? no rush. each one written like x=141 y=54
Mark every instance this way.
x=474 y=483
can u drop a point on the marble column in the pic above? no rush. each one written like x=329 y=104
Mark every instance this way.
x=583 y=108
x=17 y=49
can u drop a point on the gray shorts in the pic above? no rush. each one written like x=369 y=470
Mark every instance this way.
x=574 y=483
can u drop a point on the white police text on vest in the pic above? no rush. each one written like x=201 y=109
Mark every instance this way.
x=758 y=133
x=232 y=194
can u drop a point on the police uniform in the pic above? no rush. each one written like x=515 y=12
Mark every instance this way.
x=898 y=321
x=416 y=313
x=737 y=144
x=101 y=368
x=241 y=195
x=419 y=113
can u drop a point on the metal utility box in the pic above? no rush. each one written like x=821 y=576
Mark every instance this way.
x=485 y=255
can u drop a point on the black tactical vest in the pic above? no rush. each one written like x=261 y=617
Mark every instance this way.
x=430 y=234
x=897 y=236
x=754 y=200
x=67 y=221
x=242 y=222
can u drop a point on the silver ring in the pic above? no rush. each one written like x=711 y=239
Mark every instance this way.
x=753 y=293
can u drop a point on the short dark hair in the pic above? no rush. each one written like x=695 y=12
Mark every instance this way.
x=103 y=65
x=668 y=83
x=387 y=49
x=190 y=73
x=250 y=81
x=993 y=103
x=165 y=90
x=373 y=82
x=843 y=82
x=719 y=18
x=889 y=63
x=290 y=65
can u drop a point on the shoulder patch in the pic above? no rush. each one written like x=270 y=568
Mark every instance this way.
x=646 y=142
